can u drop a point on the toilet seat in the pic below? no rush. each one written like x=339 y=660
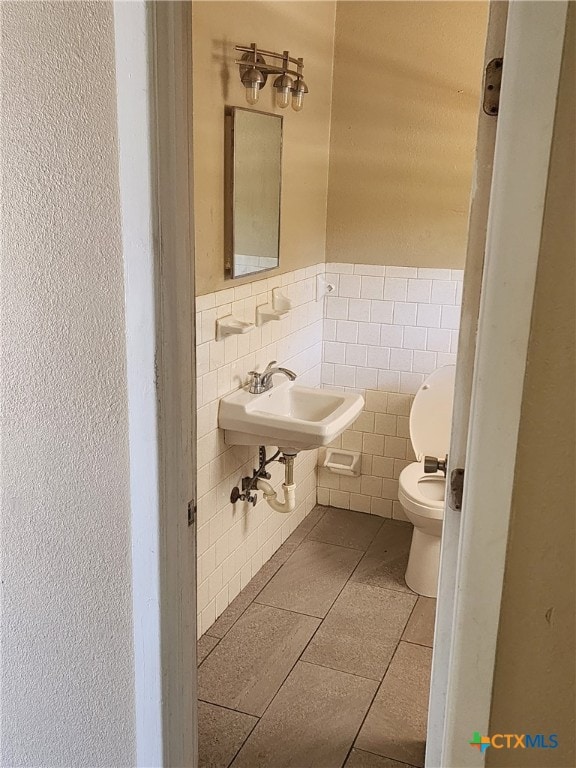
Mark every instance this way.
x=422 y=494
x=431 y=414
x=412 y=496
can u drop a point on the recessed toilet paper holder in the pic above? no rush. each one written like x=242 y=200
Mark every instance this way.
x=342 y=462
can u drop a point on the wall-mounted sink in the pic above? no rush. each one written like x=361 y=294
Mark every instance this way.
x=287 y=416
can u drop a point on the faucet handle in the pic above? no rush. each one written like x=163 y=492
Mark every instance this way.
x=271 y=364
x=255 y=382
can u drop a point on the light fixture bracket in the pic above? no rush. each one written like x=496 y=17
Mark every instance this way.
x=258 y=62
x=288 y=69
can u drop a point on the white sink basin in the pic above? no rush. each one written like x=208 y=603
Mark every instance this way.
x=287 y=416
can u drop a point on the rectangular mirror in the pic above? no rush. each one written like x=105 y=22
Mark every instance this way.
x=253 y=176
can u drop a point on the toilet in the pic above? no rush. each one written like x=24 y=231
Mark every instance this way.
x=422 y=494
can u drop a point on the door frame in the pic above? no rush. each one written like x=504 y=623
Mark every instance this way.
x=153 y=70
x=475 y=541
x=154 y=108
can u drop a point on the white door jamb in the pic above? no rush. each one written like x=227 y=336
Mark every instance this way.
x=153 y=49
x=532 y=58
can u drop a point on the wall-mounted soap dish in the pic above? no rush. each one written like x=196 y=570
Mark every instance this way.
x=280 y=302
x=266 y=312
x=229 y=325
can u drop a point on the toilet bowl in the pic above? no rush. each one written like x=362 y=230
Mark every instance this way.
x=422 y=494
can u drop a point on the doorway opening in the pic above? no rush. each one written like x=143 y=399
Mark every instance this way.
x=296 y=611
x=169 y=729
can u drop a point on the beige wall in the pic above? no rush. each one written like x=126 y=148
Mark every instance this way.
x=307 y=30
x=407 y=77
x=534 y=685
x=67 y=652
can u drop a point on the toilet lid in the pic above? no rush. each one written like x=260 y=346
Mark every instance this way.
x=431 y=414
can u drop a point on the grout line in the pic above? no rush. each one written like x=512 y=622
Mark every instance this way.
x=358 y=549
x=391 y=589
x=420 y=645
x=372 y=701
x=251 y=731
x=290 y=610
x=342 y=671
x=209 y=652
x=292 y=668
x=333 y=544
x=409 y=617
x=230 y=709
x=400 y=762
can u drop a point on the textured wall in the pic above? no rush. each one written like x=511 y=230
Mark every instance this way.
x=307 y=30
x=67 y=677
x=407 y=78
x=534 y=681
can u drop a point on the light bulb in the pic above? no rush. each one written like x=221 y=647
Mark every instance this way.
x=297 y=100
x=283 y=85
x=300 y=88
x=253 y=80
x=252 y=93
x=282 y=97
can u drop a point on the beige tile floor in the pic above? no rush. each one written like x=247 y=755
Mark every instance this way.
x=323 y=660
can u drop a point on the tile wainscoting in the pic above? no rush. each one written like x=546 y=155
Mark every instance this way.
x=234 y=541
x=385 y=330
x=379 y=332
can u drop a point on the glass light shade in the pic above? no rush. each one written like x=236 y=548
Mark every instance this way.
x=282 y=97
x=297 y=100
x=252 y=93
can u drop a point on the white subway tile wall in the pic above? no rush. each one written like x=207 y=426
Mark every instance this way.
x=234 y=541
x=385 y=330
x=379 y=332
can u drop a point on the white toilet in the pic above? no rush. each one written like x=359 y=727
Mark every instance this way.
x=421 y=494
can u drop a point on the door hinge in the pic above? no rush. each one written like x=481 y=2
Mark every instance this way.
x=492 y=82
x=191 y=512
x=456 y=488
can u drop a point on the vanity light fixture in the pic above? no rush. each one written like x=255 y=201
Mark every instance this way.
x=254 y=71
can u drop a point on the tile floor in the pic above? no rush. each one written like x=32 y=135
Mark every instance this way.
x=323 y=660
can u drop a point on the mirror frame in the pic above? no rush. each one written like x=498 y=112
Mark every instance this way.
x=229 y=185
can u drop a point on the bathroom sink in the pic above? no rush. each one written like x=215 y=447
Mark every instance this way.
x=287 y=416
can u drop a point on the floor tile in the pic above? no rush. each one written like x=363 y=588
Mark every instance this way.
x=309 y=522
x=385 y=561
x=360 y=759
x=311 y=723
x=310 y=580
x=348 y=529
x=248 y=666
x=237 y=607
x=230 y=616
x=396 y=724
x=361 y=631
x=203 y=647
x=420 y=628
x=221 y=733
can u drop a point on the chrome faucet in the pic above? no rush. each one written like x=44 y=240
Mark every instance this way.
x=262 y=382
